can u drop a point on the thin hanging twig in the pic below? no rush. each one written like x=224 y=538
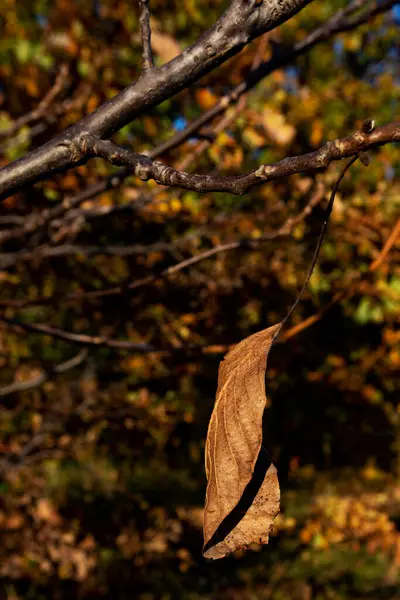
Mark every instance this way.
x=319 y=242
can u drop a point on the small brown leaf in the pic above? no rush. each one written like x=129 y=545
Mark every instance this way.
x=234 y=453
x=164 y=45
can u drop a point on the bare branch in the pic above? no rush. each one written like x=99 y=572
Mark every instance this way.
x=145 y=168
x=243 y=21
x=45 y=118
x=217 y=349
x=147 y=54
x=387 y=247
x=76 y=338
x=42 y=107
x=251 y=243
x=47 y=251
x=339 y=22
x=23 y=386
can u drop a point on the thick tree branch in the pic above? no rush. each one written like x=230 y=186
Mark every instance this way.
x=339 y=22
x=243 y=21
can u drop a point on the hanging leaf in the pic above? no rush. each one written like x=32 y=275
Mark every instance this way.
x=242 y=496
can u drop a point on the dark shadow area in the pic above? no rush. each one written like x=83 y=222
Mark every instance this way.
x=236 y=515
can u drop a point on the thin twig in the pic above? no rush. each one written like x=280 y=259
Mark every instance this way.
x=350 y=289
x=248 y=242
x=339 y=22
x=41 y=109
x=48 y=117
x=147 y=54
x=47 y=251
x=76 y=338
x=213 y=348
x=22 y=386
x=319 y=243
x=386 y=248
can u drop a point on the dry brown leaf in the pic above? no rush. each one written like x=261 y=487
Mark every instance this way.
x=164 y=45
x=234 y=446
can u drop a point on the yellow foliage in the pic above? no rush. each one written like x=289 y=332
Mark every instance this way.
x=337 y=518
x=253 y=138
x=164 y=45
x=176 y=204
x=205 y=98
x=92 y=103
x=163 y=207
x=277 y=127
x=317 y=132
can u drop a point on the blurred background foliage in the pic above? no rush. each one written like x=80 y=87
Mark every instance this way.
x=102 y=466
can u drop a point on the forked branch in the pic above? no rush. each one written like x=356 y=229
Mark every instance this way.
x=145 y=168
x=243 y=21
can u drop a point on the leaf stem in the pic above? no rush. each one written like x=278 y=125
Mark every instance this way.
x=319 y=243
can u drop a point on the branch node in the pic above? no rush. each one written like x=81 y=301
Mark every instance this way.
x=144 y=169
x=368 y=126
x=74 y=148
x=263 y=172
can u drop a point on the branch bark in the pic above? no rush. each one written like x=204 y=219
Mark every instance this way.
x=147 y=54
x=23 y=386
x=250 y=243
x=243 y=21
x=343 y=20
x=145 y=168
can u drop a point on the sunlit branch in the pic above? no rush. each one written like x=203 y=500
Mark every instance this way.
x=243 y=21
x=146 y=169
x=339 y=22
